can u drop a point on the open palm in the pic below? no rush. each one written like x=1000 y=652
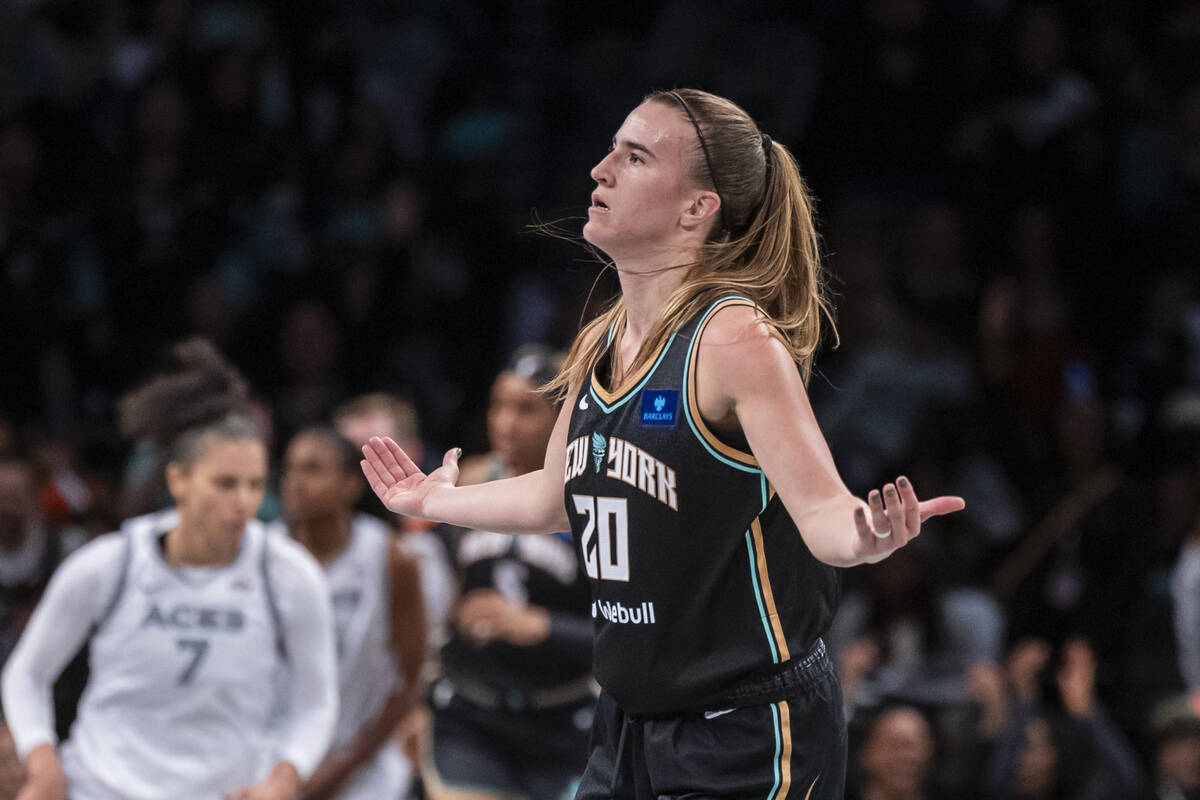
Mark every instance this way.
x=399 y=482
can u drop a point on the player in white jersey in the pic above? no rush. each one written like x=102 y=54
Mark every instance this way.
x=380 y=414
x=378 y=616
x=190 y=616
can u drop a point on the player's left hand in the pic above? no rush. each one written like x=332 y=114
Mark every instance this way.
x=895 y=518
x=486 y=615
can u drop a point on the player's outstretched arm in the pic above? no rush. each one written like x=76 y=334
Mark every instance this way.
x=73 y=601
x=745 y=371
x=529 y=503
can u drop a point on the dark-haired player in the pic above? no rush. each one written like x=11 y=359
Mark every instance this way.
x=190 y=616
x=378 y=616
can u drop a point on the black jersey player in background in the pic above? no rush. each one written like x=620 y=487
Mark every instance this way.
x=701 y=491
x=514 y=701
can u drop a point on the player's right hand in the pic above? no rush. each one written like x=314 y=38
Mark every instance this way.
x=46 y=780
x=397 y=480
x=44 y=787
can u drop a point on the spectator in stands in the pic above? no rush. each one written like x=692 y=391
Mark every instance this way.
x=896 y=756
x=1042 y=754
x=1177 y=759
x=906 y=635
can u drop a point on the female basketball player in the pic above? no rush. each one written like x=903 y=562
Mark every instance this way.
x=513 y=703
x=378 y=615
x=706 y=504
x=189 y=616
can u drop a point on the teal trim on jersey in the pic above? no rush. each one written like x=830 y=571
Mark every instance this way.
x=758 y=598
x=766 y=496
x=626 y=397
x=687 y=362
x=778 y=751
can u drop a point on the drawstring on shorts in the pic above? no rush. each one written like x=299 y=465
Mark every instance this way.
x=628 y=762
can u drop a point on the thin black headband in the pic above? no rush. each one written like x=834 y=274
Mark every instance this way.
x=707 y=159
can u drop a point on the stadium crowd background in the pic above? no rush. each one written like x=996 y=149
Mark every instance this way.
x=340 y=195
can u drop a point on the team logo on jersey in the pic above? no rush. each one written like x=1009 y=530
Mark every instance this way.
x=659 y=407
x=599 y=445
x=187 y=617
x=583 y=403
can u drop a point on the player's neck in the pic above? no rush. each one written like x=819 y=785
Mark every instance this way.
x=325 y=537
x=645 y=293
x=184 y=545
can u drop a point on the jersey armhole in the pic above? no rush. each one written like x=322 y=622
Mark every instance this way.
x=272 y=602
x=717 y=447
x=122 y=579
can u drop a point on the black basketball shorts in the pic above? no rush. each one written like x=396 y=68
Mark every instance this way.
x=793 y=747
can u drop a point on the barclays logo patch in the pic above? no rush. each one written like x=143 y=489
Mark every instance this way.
x=660 y=407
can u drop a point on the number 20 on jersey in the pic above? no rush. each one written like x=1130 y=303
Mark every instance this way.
x=605 y=536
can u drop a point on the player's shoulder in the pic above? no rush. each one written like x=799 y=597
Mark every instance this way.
x=736 y=321
x=93 y=568
x=107 y=548
x=740 y=337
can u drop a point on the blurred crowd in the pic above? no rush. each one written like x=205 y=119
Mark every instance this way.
x=352 y=196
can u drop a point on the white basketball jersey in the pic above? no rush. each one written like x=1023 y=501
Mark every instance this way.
x=358 y=585
x=181 y=678
x=359 y=578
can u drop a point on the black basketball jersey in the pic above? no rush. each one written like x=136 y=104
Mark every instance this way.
x=700 y=579
x=538 y=570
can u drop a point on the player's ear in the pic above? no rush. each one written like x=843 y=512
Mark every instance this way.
x=702 y=211
x=177 y=479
